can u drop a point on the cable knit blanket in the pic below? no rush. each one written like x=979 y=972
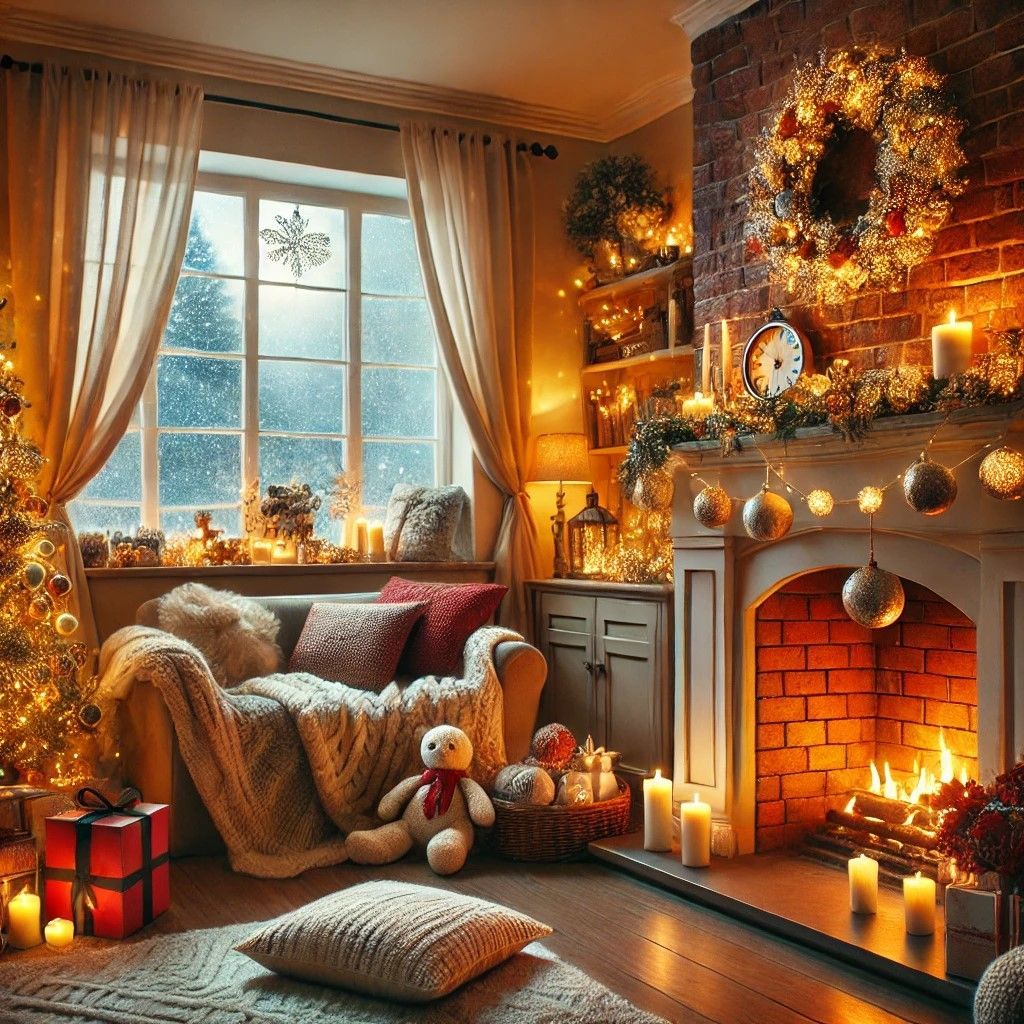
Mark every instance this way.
x=288 y=763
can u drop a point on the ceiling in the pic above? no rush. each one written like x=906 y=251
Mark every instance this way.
x=589 y=68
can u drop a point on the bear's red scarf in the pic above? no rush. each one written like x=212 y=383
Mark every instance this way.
x=442 y=783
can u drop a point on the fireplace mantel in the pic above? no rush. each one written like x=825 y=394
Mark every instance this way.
x=973 y=556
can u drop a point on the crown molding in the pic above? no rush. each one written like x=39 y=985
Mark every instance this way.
x=23 y=25
x=697 y=17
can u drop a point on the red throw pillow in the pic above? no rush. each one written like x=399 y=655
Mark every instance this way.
x=454 y=611
x=356 y=644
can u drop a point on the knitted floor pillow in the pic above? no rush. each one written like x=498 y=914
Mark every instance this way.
x=1000 y=995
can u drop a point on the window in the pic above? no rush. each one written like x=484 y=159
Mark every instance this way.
x=260 y=375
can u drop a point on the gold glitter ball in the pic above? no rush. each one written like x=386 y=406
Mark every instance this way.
x=820 y=503
x=653 y=491
x=712 y=507
x=869 y=500
x=873 y=597
x=1002 y=474
x=929 y=488
x=767 y=516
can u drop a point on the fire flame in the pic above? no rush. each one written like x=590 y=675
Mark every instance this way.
x=922 y=784
x=850 y=805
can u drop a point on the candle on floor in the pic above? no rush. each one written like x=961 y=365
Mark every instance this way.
x=59 y=933
x=360 y=525
x=695 y=832
x=23 y=929
x=375 y=541
x=657 y=813
x=919 y=904
x=951 y=347
x=863 y=872
x=705 y=362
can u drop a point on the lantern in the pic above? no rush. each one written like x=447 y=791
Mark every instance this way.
x=593 y=534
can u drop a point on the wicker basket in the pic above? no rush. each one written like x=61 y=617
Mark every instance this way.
x=524 y=832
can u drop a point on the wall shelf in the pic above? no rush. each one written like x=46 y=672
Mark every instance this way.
x=660 y=356
x=615 y=449
x=632 y=282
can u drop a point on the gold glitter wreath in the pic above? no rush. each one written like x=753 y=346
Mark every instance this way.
x=898 y=99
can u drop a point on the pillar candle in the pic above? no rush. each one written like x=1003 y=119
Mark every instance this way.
x=703 y=405
x=361 y=536
x=695 y=833
x=59 y=932
x=261 y=551
x=951 y=347
x=23 y=929
x=863 y=873
x=726 y=358
x=705 y=362
x=375 y=541
x=658 y=813
x=919 y=904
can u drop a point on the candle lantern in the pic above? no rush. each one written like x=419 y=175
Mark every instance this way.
x=593 y=534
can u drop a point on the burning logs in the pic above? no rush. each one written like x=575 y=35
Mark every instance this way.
x=910 y=835
x=872 y=805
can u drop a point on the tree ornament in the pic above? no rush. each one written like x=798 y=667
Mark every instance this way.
x=66 y=624
x=869 y=499
x=58 y=585
x=34 y=574
x=90 y=715
x=928 y=487
x=39 y=608
x=11 y=406
x=653 y=491
x=46 y=548
x=298 y=249
x=873 y=597
x=36 y=506
x=15 y=529
x=1002 y=474
x=712 y=507
x=767 y=516
x=820 y=503
x=788 y=124
x=80 y=653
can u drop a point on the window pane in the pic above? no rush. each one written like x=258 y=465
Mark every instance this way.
x=306 y=398
x=320 y=220
x=309 y=460
x=200 y=469
x=214 y=243
x=183 y=521
x=121 y=478
x=386 y=463
x=398 y=403
x=390 y=264
x=299 y=322
x=197 y=392
x=207 y=315
x=398 y=331
x=86 y=517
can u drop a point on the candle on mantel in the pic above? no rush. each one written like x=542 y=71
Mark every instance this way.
x=375 y=541
x=863 y=872
x=59 y=933
x=360 y=525
x=951 y=347
x=726 y=359
x=695 y=833
x=23 y=929
x=919 y=904
x=705 y=362
x=699 y=407
x=658 y=813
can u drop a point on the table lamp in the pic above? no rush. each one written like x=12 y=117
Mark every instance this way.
x=561 y=459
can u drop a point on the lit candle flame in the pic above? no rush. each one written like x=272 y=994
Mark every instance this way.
x=952 y=316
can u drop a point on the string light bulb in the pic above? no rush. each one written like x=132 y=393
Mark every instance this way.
x=869 y=499
x=820 y=503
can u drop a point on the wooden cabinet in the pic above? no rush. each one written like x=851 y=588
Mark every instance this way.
x=609 y=665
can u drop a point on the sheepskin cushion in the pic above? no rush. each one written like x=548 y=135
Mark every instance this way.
x=392 y=939
x=236 y=635
x=427 y=524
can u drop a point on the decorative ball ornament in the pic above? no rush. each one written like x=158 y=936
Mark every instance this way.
x=653 y=491
x=820 y=503
x=58 y=585
x=90 y=715
x=39 y=608
x=1002 y=474
x=873 y=597
x=34 y=573
x=712 y=507
x=767 y=516
x=869 y=499
x=65 y=624
x=929 y=488
x=46 y=548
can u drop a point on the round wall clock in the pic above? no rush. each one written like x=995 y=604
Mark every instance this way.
x=775 y=357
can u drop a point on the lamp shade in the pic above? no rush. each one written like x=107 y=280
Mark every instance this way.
x=561 y=458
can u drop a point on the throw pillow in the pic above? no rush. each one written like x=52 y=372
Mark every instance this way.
x=454 y=611
x=392 y=939
x=236 y=635
x=427 y=524
x=356 y=644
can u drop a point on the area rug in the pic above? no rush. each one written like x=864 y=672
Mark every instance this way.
x=198 y=978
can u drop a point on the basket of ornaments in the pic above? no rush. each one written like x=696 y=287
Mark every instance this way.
x=563 y=796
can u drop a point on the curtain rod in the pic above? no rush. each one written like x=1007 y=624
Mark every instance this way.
x=533 y=148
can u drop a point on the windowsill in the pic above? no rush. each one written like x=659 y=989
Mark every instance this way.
x=345 y=569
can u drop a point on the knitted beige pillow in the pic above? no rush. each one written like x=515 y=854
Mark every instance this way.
x=392 y=939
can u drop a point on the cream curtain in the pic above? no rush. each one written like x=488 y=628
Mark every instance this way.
x=95 y=192
x=472 y=212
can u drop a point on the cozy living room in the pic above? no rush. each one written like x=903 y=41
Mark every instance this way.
x=512 y=512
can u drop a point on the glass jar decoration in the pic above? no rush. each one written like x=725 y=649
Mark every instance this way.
x=593 y=535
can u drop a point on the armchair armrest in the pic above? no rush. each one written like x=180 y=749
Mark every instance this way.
x=522 y=671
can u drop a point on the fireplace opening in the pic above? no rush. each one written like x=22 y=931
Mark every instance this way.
x=857 y=728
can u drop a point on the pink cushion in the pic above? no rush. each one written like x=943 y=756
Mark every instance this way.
x=356 y=644
x=454 y=611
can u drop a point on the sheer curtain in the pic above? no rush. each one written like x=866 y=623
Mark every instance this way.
x=95 y=191
x=472 y=212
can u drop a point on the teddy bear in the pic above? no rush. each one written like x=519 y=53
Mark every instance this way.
x=435 y=810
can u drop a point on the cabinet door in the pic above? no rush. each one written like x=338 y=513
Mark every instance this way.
x=630 y=668
x=565 y=636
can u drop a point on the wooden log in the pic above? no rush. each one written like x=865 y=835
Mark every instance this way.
x=896 y=811
x=910 y=834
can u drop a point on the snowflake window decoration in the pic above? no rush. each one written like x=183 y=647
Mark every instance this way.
x=291 y=244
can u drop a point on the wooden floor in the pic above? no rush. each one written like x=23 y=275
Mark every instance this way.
x=666 y=955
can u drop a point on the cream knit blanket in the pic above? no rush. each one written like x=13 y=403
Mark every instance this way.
x=286 y=763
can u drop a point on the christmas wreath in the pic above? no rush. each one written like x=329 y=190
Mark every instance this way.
x=825 y=250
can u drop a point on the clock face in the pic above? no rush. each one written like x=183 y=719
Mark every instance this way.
x=773 y=360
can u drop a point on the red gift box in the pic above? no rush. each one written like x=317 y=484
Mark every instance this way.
x=107 y=865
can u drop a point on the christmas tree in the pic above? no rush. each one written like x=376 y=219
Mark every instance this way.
x=43 y=701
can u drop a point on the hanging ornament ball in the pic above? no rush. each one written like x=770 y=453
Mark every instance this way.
x=653 y=491
x=767 y=516
x=11 y=406
x=65 y=624
x=15 y=645
x=34 y=573
x=90 y=715
x=820 y=503
x=36 y=506
x=15 y=529
x=63 y=664
x=929 y=488
x=1002 y=474
x=58 y=585
x=712 y=507
x=873 y=597
x=869 y=499
x=80 y=653
x=39 y=608
x=46 y=548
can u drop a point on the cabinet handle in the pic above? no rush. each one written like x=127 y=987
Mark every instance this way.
x=588 y=666
x=600 y=668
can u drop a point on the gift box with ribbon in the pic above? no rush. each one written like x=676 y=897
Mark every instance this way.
x=107 y=864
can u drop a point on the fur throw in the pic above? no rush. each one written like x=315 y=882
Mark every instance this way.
x=236 y=635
